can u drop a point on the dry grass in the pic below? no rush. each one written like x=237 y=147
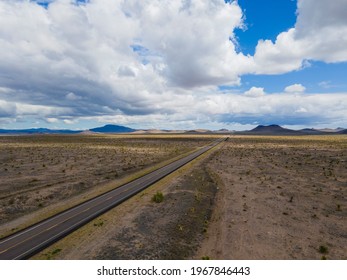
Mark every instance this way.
x=129 y=222
x=43 y=170
x=280 y=198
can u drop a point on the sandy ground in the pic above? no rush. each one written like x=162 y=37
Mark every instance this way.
x=279 y=198
x=43 y=170
x=251 y=198
x=142 y=229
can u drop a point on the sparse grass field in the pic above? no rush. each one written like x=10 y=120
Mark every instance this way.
x=42 y=170
x=280 y=198
x=142 y=229
x=252 y=197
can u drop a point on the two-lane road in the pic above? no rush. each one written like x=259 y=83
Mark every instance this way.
x=33 y=239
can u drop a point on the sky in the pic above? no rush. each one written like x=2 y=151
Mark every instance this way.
x=173 y=64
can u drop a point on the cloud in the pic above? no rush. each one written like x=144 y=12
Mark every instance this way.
x=52 y=120
x=157 y=61
x=296 y=88
x=319 y=34
x=189 y=40
x=73 y=97
x=7 y=109
x=14 y=109
x=281 y=108
x=67 y=121
x=126 y=71
x=255 y=92
x=226 y=110
x=108 y=56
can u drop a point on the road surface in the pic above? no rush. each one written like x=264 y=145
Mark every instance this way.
x=33 y=239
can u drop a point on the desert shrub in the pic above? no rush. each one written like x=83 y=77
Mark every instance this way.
x=322 y=249
x=158 y=197
x=56 y=251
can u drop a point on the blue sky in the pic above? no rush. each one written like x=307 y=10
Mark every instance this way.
x=264 y=20
x=277 y=17
x=320 y=77
x=171 y=64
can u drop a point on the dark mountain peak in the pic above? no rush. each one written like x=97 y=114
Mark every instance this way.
x=272 y=129
x=112 y=128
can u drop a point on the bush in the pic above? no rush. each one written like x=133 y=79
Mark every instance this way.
x=322 y=249
x=158 y=197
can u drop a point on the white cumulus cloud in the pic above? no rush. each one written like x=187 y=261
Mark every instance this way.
x=255 y=92
x=320 y=33
x=159 y=61
x=296 y=88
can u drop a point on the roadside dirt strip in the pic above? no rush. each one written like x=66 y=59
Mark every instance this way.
x=33 y=239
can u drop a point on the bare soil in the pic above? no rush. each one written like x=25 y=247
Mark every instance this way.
x=171 y=229
x=142 y=229
x=252 y=197
x=279 y=198
x=40 y=170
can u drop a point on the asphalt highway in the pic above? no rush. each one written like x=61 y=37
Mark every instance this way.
x=33 y=239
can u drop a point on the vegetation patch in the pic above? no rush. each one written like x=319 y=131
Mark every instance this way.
x=323 y=249
x=158 y=197
x=48 y=170
x=179 y=224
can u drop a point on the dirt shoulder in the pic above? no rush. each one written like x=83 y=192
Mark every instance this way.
x=279 y=198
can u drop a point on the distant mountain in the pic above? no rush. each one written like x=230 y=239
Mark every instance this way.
x=198 y=131
x=278 y=130
x=38 y=131
x=331 y=129
x=105 y=129
x=110 y=128
x=311 y=131
x=273 y=129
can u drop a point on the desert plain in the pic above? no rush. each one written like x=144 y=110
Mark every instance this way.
x=251 y=197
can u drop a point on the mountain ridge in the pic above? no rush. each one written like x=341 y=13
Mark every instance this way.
x=273 y=129
x=112 y=128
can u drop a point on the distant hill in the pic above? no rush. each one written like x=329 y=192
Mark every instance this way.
x=311 y=131
x=38 y=131
x=198 y=131
x=331 y=129
x=105 y=129
x=223 y=130
x=273 y=129
x=278 y=130
x=111 y=128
